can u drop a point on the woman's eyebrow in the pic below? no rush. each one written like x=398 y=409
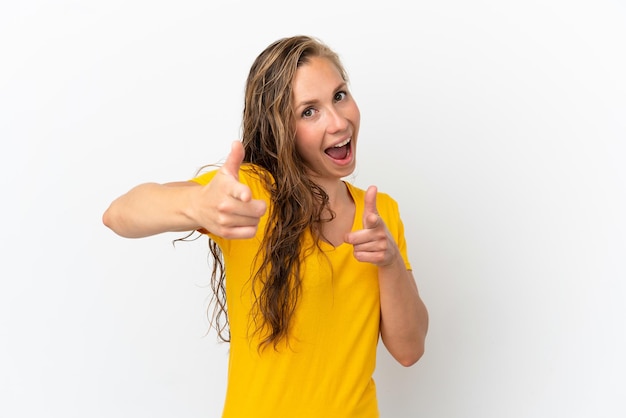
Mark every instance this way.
x=308 y=102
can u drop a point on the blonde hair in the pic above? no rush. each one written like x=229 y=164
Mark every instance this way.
x=296 y=202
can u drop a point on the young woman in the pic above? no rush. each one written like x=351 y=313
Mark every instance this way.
x=309 y=269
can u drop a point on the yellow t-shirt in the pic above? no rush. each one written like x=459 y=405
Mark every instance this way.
x=325 y=369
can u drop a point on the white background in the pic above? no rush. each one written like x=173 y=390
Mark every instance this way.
x=499 y=126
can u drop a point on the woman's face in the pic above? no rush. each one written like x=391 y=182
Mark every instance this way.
x=327 y=120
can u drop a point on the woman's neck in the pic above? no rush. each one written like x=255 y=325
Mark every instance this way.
x=340 y=218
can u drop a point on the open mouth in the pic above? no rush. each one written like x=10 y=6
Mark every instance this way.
x=340 y=151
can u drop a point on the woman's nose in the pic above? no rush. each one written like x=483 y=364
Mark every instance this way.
x=337 y=122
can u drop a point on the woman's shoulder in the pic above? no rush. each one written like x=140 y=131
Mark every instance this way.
x=205 y=175
x=383 y=200
x=248 y=174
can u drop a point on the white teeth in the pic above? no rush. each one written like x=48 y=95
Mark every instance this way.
x=342 y=143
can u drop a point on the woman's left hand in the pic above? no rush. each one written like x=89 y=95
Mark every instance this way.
x=373 y=243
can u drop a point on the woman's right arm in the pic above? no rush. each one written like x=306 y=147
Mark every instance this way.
x=152 y=208
x=224 y=206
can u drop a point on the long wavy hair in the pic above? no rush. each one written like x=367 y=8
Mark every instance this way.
x=297 y=204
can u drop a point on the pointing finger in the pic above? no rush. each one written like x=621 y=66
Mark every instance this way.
x=234 y=160
x=231 y=168
x=370 y=213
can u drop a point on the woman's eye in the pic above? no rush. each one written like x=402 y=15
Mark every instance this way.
x=308 y=113
x=340 y=96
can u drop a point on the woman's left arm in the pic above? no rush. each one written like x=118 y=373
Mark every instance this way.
x=404 y=317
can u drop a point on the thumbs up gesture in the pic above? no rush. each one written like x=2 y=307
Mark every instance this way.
x=226 y=206
x=373 y=243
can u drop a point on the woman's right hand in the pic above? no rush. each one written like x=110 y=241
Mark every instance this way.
x=225 y=206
